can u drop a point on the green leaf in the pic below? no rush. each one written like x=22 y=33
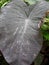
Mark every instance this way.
x=30 y=2
x=47 y=0
x=46 y=20
x=46 y=36
x=45 y=27
x=3 y=2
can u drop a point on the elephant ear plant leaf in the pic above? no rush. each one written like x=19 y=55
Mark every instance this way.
x=20 y=36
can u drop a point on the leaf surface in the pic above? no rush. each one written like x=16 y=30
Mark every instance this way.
x=21 y=39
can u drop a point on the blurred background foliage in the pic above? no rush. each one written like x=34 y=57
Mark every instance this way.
x=45 y=33
x=3 y=2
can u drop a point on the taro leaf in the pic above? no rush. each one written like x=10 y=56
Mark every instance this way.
x=20 y=36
